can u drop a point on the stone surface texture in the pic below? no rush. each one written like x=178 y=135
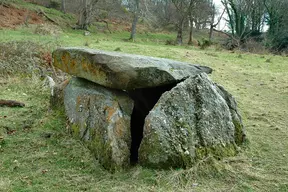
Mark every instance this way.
x=100 y=117
x=123 y=71
x=194 y=119
x=57 y=99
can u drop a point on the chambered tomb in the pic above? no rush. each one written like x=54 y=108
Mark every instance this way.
x=160 y=113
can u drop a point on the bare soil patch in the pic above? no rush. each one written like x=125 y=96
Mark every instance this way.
x=11 y=17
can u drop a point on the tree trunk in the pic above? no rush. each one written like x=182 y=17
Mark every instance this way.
x=190 y=42
x=204 y=24
x=63 y=6
x=84 y=16
x=211 y=32
x=179 y=38
x=133 y=28
x=135 y=20
x=197 y=25
x=212 y=25
x=231 y=21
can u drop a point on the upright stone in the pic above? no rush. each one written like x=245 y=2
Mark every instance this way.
x=57 y=99
x=123 y=71
x=188 y=123
x=101 y=118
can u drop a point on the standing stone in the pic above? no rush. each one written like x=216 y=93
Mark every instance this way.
x=57 y=99
x=123 y=71
x=101 y=118
x=189 y=122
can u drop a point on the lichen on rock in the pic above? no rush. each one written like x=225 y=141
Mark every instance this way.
x=188 y=123
x=123 y=71
x=100 y=117
x=186 y=116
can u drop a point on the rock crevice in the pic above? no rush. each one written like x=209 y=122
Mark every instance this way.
x=144 y=100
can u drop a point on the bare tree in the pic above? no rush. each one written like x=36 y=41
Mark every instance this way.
x=183 y=13
x=199 y=12
x=63 y=6
x=277 y=19
x=212 y=24
x=182 y=7
x=202 y=13
x=135 y=8
x=239 y=19
x=191 y=16
x=86 y=13
x=163 y=11
x=257 y=11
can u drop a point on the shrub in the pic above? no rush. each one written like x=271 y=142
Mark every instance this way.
x=54 y=5
x=254 y=46
x=170 y=42
x=24 y=58
x=280 y=44
x=204 y=43
x=230 y=44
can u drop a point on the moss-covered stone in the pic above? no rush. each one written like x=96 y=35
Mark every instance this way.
x=218 y=151
x=188 y=123
x=239 y=132
x=75 y=130
x=100 y=117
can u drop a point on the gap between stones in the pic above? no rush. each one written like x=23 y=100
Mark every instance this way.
x=144 y=100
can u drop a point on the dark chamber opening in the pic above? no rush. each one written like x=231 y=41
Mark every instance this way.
x=144 y=101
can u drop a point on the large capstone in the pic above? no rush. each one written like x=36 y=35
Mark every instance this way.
x=196 y=118
x=100 y=117
x=123 y=71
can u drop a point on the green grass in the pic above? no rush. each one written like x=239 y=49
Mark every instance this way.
x=32 y=161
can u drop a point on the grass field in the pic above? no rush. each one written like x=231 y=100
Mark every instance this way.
x=37 y=153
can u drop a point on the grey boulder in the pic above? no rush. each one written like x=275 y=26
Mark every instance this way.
x=196 y=118
x=123 y=71
x=100 y=117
